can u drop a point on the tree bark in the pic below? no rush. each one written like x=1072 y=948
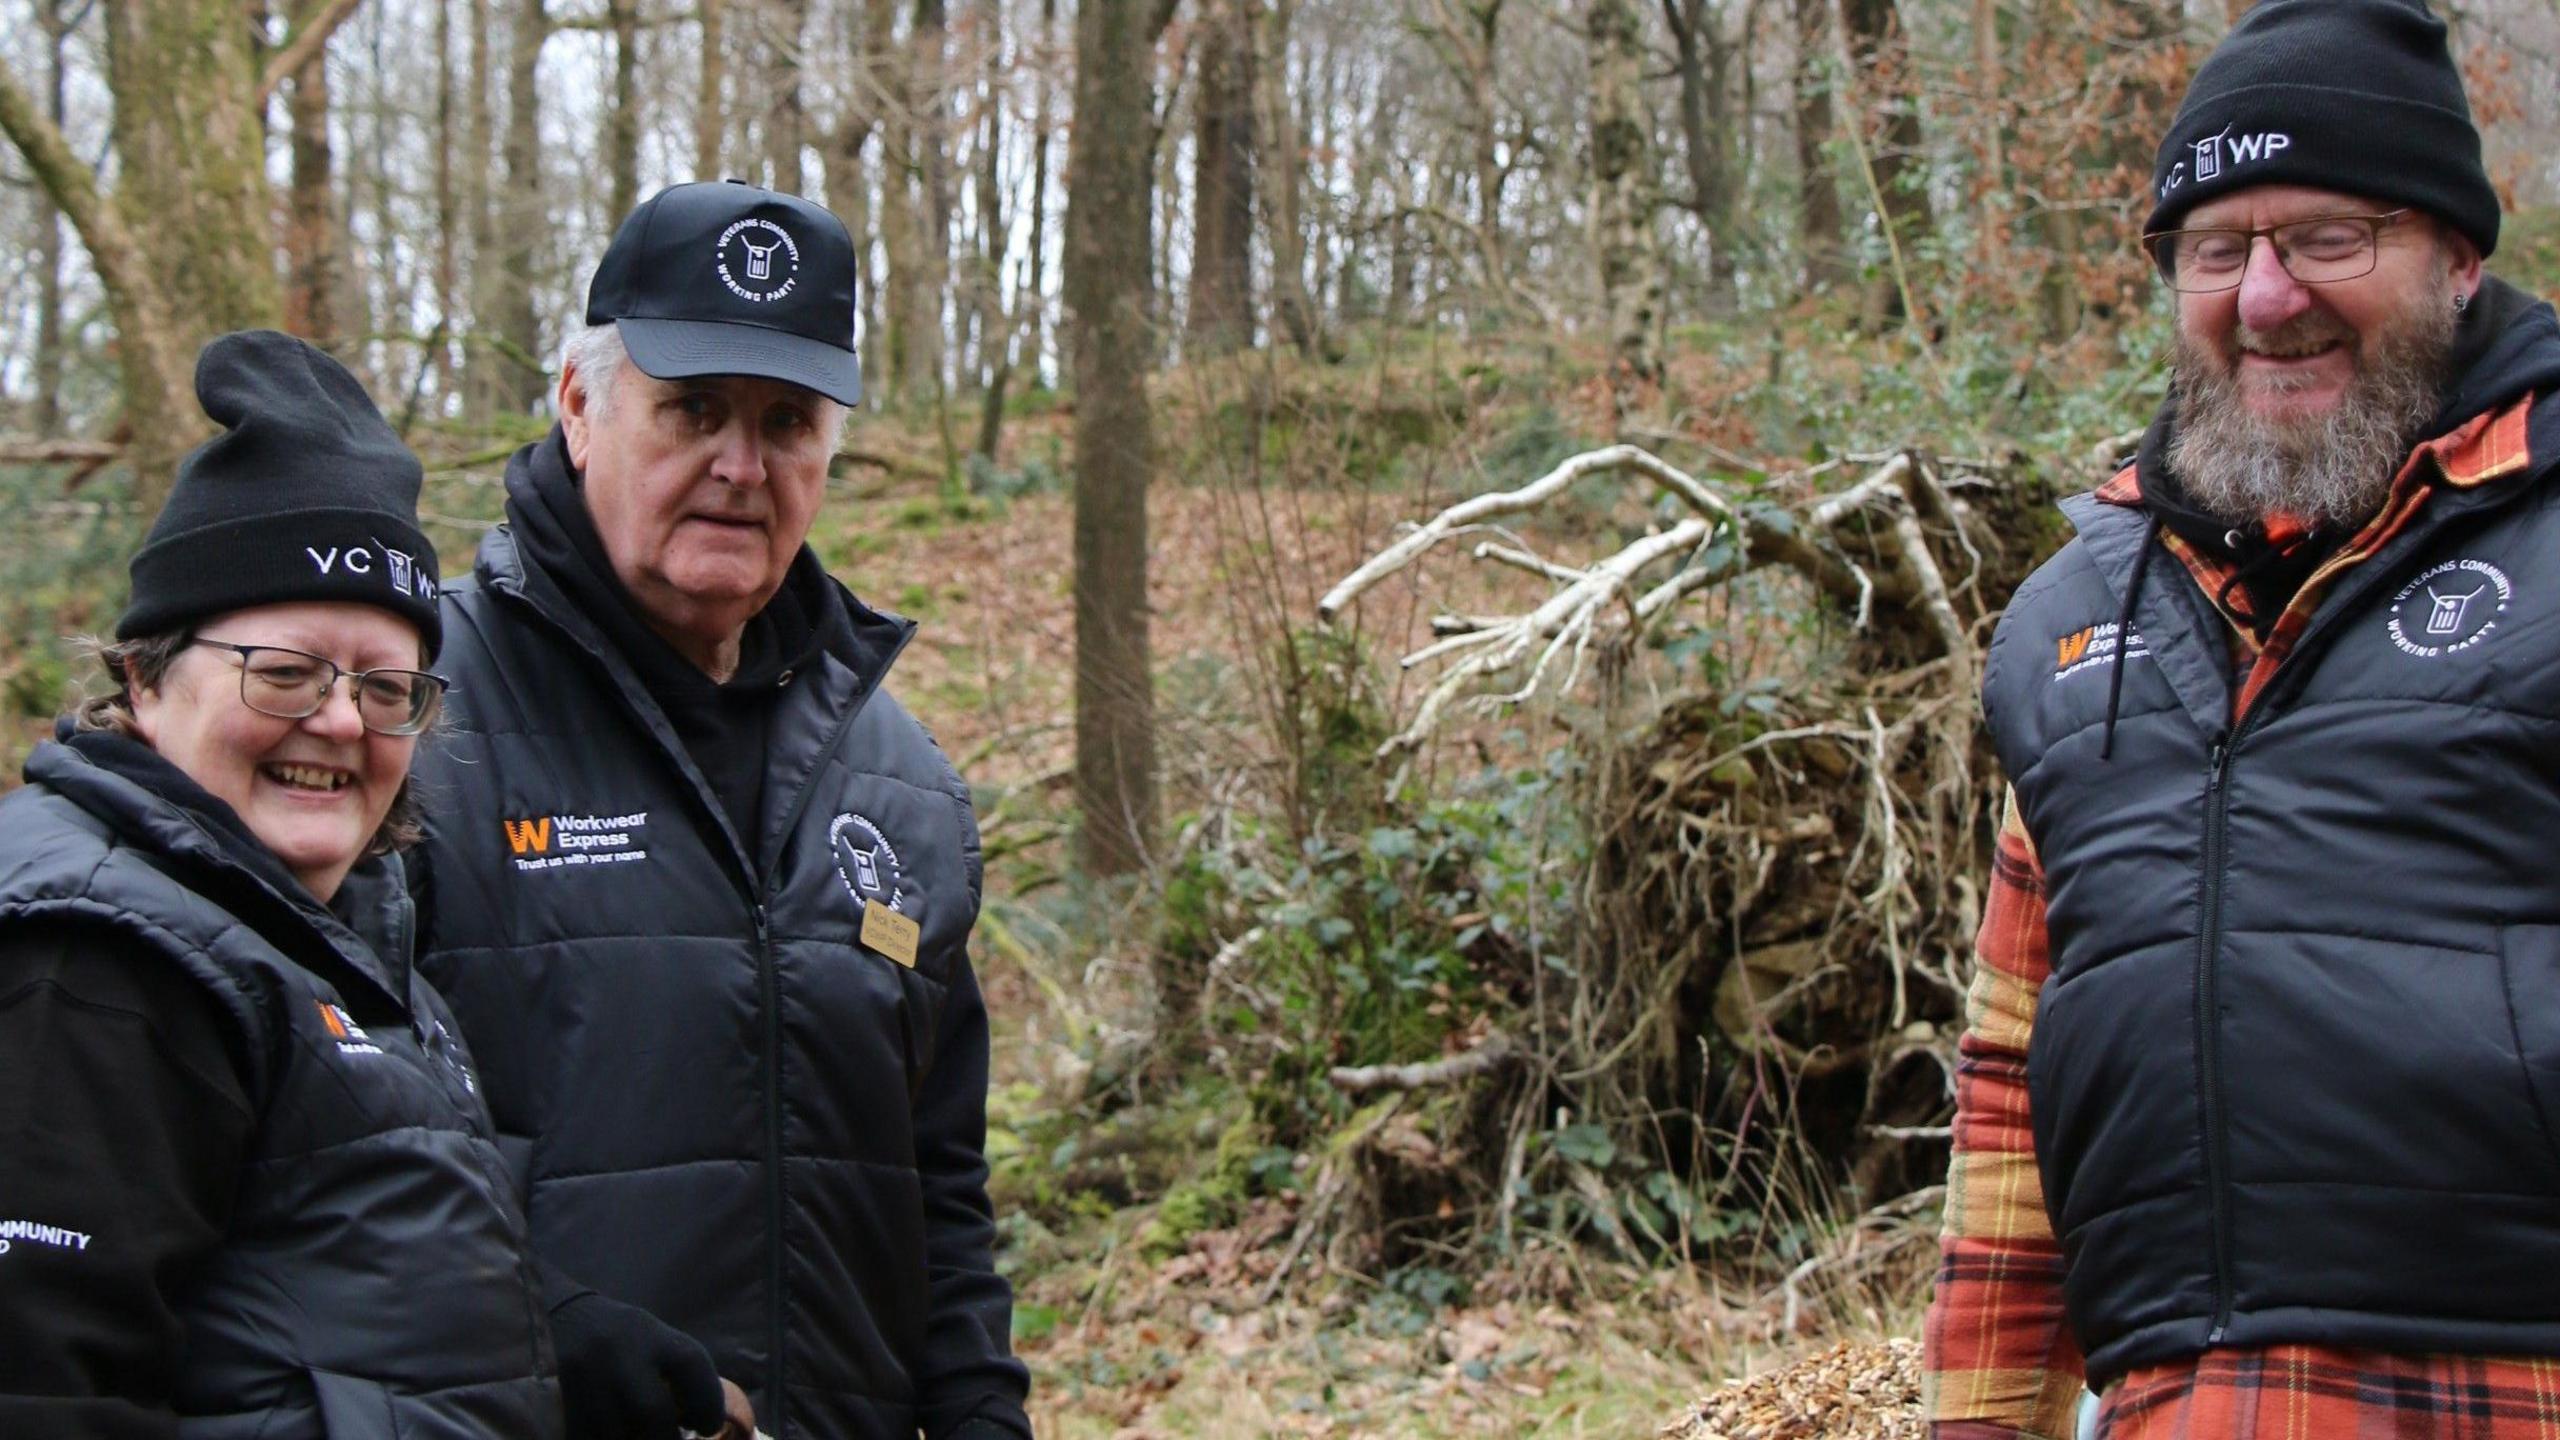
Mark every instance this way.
x=508 y=317
x=786 y=118
x=314 y=261
x=153 y=344
x=191 y=165
x=1108 y=267
x=56 y=25
x=929 y=49
x=1622 y=208
x=710 y=112
x=1220 y=314
x=1282 y=162
x=1880 y=55
x=1819 y=222
x=1704 y=62
x=622 y=112
x=449 y=222
x=1043 y=120
x=995 y=308
x=903 y=290
x=481 y=359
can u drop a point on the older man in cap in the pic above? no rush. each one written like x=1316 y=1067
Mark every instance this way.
x=2255 y=1109
x=702 y=891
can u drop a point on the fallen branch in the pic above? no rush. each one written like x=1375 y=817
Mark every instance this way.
x=14 y=451
x=1496 y=1051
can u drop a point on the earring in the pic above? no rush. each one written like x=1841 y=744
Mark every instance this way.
x=2461 y=303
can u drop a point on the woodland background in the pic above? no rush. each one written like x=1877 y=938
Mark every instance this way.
x=1516 y=1039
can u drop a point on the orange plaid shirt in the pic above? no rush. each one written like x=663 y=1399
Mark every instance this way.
x=2002 y=1361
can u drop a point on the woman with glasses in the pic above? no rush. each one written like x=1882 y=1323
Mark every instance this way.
x=249 y=1186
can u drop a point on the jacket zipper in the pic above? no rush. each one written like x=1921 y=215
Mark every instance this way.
x=2217 y=798
x=767 y=986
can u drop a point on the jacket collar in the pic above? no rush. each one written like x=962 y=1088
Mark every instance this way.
x=192 y=836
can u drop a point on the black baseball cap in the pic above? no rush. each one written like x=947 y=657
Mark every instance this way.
x=720 y=277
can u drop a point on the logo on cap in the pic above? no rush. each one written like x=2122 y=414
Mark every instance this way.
x=758 y=260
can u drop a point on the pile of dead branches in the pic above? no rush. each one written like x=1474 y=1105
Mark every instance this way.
x=1773 y=926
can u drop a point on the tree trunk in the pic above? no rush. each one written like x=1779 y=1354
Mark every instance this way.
x=903 y=290
x=49 y=359
x=622 y=112
x=507 y=316
x=1282 y=162
x=1108 y=267
x=1036 y=289
x=313 y=261
x=1704 y=63
x=848 y=178
x=995 y=308
x=1819 y=223
x=1220 y=314
x=1881 y=56
x=481 y=358
x=1622 y=205
x=785 y=120
x=448 y=271
x=710 y=112
x=192 y=175
x=929 y=48
x=159 y=409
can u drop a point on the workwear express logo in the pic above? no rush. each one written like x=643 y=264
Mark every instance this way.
x=2450 y=608
x=2093 y=647
x=867 y=861
x=758 y=261
x=555 y=842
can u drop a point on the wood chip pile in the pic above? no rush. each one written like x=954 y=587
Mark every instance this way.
x=1851 y=1391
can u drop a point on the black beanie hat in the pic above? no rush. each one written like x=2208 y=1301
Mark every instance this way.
x=2354 y=95
x=306 y=495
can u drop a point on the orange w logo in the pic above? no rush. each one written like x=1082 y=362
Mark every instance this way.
x=523 y=835
x=2068 y=650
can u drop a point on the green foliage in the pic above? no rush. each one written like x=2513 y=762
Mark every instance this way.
x=1215 y=1194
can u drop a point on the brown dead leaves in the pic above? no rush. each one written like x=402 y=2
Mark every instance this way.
x=1852 y=1391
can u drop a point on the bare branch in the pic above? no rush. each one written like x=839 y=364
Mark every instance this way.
x=305 y=43
x=1496 y=1051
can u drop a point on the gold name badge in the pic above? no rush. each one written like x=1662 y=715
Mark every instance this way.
x=890 y=933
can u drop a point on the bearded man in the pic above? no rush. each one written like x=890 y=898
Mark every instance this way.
x=2255 y=1106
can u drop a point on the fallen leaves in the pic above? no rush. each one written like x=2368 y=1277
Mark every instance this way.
x=1851 y=1391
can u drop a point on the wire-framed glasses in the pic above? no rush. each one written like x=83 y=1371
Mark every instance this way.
x=2319 y=251
x=289 y=685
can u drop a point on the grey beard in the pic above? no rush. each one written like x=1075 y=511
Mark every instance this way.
x=2335 y=470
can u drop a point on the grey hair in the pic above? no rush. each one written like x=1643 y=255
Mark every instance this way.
x=596 y=354
x=143 y=662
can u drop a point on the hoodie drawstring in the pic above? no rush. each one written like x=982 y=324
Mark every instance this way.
x=2124 y=637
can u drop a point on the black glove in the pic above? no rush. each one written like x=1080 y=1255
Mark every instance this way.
x=627 y=1375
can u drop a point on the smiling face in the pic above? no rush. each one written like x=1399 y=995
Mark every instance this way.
x=2296 y=349
x=2303 y=399
x=702 y=491
x=312 y=790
